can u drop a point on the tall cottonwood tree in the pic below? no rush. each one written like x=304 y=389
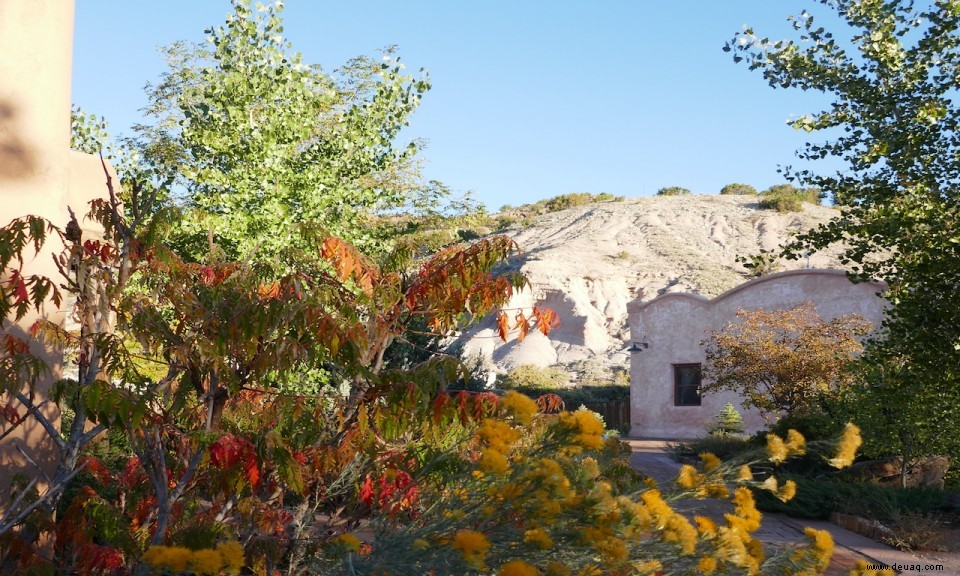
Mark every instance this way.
x=259 y=142
x=893 y=80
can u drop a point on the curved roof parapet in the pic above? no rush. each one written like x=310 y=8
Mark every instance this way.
x=638 y=305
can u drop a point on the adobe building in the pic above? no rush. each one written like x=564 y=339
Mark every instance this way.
x=39 y=174
x=665 y=398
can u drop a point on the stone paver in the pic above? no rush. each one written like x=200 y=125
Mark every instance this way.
x=649 y=457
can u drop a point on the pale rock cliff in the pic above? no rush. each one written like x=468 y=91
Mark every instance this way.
x=588 y=262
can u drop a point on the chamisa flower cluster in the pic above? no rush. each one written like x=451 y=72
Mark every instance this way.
x=226 y=558
x=549 y=495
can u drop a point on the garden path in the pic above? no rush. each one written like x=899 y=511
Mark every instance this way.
x=650 y=458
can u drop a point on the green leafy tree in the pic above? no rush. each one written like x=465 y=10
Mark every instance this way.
x=901 y=414
x=736 y=189
x=896 y=119
x=783 y=361
x=261 y=142
x=673 y=191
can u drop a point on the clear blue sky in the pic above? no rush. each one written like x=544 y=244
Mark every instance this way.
x=530 y=99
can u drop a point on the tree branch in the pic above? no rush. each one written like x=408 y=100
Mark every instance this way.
x=47 y=425
x=51 y=492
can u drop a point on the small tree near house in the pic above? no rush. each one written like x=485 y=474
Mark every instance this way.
x=783 y=361
x=728 y=422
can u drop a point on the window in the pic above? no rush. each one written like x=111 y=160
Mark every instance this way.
x=686 y=384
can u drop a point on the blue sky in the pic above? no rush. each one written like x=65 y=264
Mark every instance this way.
x=530 y=99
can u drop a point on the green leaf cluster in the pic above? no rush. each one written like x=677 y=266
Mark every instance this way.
x=894 y=122
x=260 y=142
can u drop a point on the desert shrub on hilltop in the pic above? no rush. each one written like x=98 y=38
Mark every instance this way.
x=789 y=198
x=673 y=191
x=737 y=189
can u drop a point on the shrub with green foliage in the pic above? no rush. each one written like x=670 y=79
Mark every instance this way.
x=577 y=395
x=789 y=198
x=523 y=215
x=586 y=382
x=673 y=191
x=564 y=201
x=737 y=189
x=813 y=425
x=532 y=377
x=817 y=498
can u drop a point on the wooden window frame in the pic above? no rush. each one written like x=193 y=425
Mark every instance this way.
x=677 y=368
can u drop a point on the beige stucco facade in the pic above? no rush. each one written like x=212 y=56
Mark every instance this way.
x=39 y=174
x=674 y=325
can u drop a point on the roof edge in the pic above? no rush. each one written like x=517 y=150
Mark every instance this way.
x=637 y=305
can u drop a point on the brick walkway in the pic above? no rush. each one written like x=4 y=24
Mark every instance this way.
x=649 y=457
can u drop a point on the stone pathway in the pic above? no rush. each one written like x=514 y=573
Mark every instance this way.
x=650 y=458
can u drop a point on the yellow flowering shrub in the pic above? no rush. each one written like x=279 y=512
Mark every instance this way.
x=172 y=558
x=776 y=449
x=206 y=562
x=491 y=460
x=226 y=558
x=648 y=567
x=850 y=441
x=556 y=569
x=517 y=568
x=796 y=443
x=497 y=434
x=542 y=495
x=589 y=468
x=348 y=541
x=787 y=491
x=709 y=461
x=232 y=554
x=539 y=538
x=521 y=407
x=583 y=427
x=821 y=549
x=688 y=477
x=705 y=526
x=473 y=546
x=707 y=565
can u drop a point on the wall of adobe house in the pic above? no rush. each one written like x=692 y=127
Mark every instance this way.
x=674 y=325
x=39 y=175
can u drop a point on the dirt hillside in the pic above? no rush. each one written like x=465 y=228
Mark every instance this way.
x=588 y=262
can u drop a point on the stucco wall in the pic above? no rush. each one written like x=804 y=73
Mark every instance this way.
x=39 y=175
x=673 y=326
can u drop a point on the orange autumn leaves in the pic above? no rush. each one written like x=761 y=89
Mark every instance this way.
x=544 y=319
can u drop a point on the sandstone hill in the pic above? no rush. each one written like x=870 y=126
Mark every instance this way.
x=588 y=262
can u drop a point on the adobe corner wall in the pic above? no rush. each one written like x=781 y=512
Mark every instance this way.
x=39 y=175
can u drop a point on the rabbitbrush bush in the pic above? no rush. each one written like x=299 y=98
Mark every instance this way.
x=534 y=495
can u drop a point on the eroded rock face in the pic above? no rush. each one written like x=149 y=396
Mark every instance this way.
x=588 y=262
